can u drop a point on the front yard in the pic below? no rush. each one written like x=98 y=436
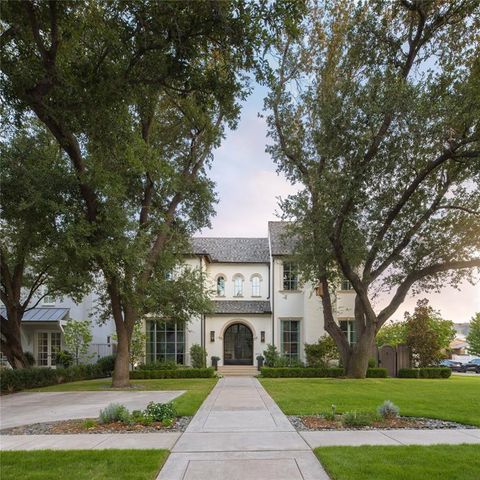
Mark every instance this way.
x=82 y=464
x=435 y=462
x=187 y=404
x=453 y=399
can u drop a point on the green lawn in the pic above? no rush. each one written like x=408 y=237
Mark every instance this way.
x=454 y=399
x=186 y=404
x=414 y=462
x=82 y=464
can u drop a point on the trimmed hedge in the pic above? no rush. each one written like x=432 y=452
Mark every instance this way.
x=307 y=372
x=376 y=373
x=25 y=378
x=179 y=373
x=426 y=372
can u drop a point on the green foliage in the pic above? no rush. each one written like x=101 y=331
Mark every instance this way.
x=106 y=364
x=308 y=372
x=408 y=373
x=64 y=359
x=178 y=373
x=89 y=423
x=271 y=355
x=114 y=412
x=25 y=378
x=427 y=372
x=77 y=337
x=376 y=373
x=392 y=333
x=160 y=412
x=137 y=345
x=388 y=410
x=322 y=353
x=30 y=359
x=159 y=366
x=427 y=334
x=358 y=419
x=198 y=356
x=372 y=363
x=473 y=337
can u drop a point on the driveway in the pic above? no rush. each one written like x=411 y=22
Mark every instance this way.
x=26 y=408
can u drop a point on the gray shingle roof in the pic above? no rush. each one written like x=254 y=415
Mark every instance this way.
x=281 y=243
x=242 y=306
x=232 y=250
x=42 y=314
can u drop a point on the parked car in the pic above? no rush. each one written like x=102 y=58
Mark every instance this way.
x=472 y=365
x=452 y=364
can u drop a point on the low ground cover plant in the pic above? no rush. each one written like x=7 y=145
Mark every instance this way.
x=388 y=410
x=114 y=412
x=154 y=412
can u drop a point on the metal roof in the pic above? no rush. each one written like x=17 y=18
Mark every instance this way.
x=242 y=306
x=42 y=314
x=281 y=243
x=232 y=250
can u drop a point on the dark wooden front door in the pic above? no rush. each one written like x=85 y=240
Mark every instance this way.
x=238 y=345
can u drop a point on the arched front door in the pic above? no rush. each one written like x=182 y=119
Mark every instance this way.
x=238 y=345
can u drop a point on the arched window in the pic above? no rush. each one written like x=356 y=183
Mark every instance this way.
x=256 y=285
x=220 y=286
x=238 y=285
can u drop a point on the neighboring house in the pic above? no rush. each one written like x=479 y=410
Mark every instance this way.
x=259 y=299
x=42 y=328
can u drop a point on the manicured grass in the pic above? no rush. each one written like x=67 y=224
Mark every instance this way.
x=186 y=404
x=82 y=464
x=454 y=399
x=414 y=462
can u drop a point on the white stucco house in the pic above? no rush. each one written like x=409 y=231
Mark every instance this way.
x=259 y=299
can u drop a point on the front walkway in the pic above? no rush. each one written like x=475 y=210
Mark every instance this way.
x=239 y=432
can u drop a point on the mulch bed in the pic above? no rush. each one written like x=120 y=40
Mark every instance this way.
x=63 y=427
x=317 y=422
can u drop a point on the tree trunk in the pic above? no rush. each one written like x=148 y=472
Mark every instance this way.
x=121 y=376
x=12 y=345
x=356 y=361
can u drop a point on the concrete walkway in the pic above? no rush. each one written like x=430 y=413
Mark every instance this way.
x=27 y=408
x=239 y=432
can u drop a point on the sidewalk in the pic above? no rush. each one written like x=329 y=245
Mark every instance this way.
x=239 y=432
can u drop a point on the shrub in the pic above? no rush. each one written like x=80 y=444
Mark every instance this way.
x=320 y=354
x=29 y=358
x=106 y=365
x=284 y=361
x=64 y=358
x=179 y=373
x=305 y=372
x=388 y=410
x=89 y=423
x=114 y=412
x=358 y=419
x=376 y=373
x=198 y=356
x=271 y=355
x=372 y=363
x=159 y=366
x=159 y=412
x=408 y=373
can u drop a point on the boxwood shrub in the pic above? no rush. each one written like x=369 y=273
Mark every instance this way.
x=22 y=379
x=178 y=373
x=307 y=372
x=376 y=373
x=425 y=372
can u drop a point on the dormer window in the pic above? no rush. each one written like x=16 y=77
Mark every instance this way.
x=238 y=285
x=48 y=301
x=220 y=286
x=256 y=285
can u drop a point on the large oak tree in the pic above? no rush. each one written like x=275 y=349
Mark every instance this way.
x=376 y=112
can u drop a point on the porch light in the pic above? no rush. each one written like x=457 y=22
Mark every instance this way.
x=212 y=335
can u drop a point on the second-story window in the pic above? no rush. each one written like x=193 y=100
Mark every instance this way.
x=238 y=286
x=290 y=276
x=346 y=285
x=48 y=300
x=221 y=286
x=256 y=286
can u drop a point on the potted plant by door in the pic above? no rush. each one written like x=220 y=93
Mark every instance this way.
x=215 y=362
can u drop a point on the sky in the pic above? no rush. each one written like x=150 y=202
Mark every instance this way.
x=249 y=187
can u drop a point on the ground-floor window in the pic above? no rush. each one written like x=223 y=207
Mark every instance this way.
x=290 y=331
x=348 y=328
x=48 y=345
x=165 y=342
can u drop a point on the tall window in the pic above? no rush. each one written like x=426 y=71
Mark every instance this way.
x=290 y=276
x=346 y=285
x=220 y=286
x=290 y=338
x=238 y=286
x=48 y=345
x=165 y=342
x=348 y=328
x=255 y=286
